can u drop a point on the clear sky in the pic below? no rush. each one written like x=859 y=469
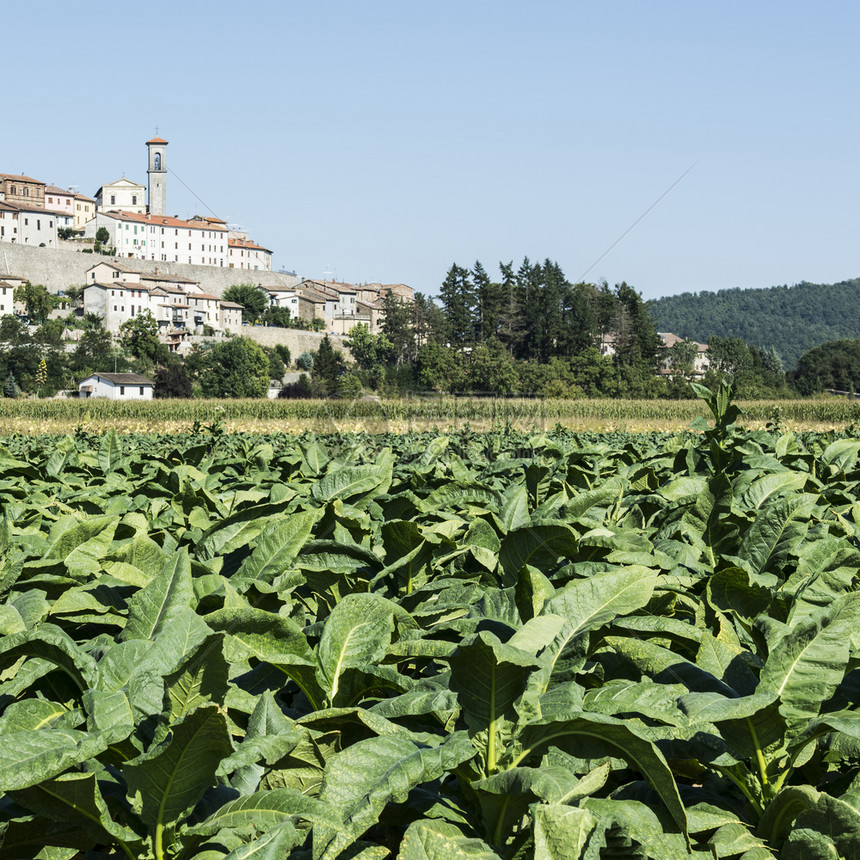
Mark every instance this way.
x=384 y=141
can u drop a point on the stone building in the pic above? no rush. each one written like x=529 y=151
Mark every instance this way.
x=22 y=190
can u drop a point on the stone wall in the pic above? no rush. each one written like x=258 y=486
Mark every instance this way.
x=58 y=268
x=296 y=340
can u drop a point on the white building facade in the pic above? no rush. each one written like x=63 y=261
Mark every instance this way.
x=162 y=238
x=117 y=386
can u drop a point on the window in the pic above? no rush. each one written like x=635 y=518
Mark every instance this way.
x=141 y=391
x=134 y=199
x=26 y=192
x=157 y=165
x=113 y=199
x=121 y=390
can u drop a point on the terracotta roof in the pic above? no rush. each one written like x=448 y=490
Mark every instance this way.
x=112 y=265
x=20 y=178
x=204 y=296
x=123 y=378
x=156 y=140
x=246 y=243
x=54 y=189
x=163 y=221
x=176 y=279
x=84 y=197
x=232 y=305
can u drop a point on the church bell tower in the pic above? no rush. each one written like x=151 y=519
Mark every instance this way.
x=157 y=176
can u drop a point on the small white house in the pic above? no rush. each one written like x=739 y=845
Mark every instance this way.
x=117 y=386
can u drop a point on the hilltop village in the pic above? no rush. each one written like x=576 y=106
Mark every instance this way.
x=163 y=264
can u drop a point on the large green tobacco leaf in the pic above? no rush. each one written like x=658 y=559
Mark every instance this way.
x=363 y=779
x=358 y=484
x=51 y=643
x=807 y=664
x=154 y=607
x=75 y=798
x=166 y=782
x=32 y=756
x=201 y=679
x=488 y=677
x=276 y=549
x=440 y=840
x=540 y=545
x=599 y=735
x=357 y=633
x=829 y=829
x=777 y=529
x=267 y=810
x=272 y=845
x=591 y=602
x=561 y=832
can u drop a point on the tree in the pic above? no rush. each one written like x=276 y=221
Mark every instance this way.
x=327 y=368
x=102 y=236
x=253 y=300
x=236 y=368
x=94 y=352
x=276 y=365
x=458 y=305
x=172 y=381
x=139 y=335
x=37 y=301
x=397 y=329
x=305 y=361
x=369 y=351
x=492 y=368
x=833 y=365
x=277 y=317
x=10 y=389
x=440 y=368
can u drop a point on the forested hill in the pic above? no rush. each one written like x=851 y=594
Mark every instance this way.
x=790 y=319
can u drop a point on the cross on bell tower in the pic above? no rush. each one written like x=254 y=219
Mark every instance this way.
x=157 y=175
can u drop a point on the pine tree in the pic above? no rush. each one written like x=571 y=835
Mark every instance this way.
x=11 y=387
x=327 y=368
x=458 y=305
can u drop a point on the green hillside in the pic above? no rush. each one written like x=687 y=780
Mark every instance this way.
x=790 y=319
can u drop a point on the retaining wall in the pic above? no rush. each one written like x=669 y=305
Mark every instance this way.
x=58 y=268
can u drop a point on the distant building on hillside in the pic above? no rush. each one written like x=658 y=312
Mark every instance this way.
x=117 y=386
x=700 y=362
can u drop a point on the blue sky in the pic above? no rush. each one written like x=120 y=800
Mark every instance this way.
x=384 y=141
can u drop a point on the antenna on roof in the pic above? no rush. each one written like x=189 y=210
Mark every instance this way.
x=329 y=270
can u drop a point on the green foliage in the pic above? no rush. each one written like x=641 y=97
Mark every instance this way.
x=236 y=368
x=172 y=380
x=102 y=236
x=790 y=320
x=254 y=301
x=833 y=365
x=430 y=646
x=37 y=301
x=305 y=361
x=10 y=389
x=139 y=335
x=327 y=368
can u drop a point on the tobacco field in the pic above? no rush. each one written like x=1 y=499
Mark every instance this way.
x=431 y=646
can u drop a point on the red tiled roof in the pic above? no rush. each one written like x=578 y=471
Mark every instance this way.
x=21 y=178
x=157 y=140
x=163 y=221
x=246 y=243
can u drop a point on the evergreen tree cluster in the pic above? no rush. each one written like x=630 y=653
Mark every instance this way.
x=530 y=330
x=790 y=320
